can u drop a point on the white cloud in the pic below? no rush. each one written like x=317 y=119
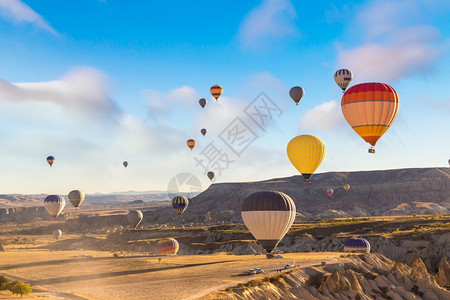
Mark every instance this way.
x=83 y=90
x=18 y=11
x=394 y=45
x=326 y=116
x=159 y=103
x=270 y=19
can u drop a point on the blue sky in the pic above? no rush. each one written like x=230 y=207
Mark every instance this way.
x=95 y=83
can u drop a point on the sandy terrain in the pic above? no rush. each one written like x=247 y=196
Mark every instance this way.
x=98 y=275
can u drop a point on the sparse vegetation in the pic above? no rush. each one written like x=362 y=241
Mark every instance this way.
x=15 y=287
x=19 y=288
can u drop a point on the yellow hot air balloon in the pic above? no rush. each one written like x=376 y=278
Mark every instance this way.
x=346 y=187
x=370 y=109
x=306 y=153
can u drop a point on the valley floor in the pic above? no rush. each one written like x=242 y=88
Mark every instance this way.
x=100 y=275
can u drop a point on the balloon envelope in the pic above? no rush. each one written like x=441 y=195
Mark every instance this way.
x=211 y=175
x=168 y=246
x=216 y=91
x=296 y=94
x=357 y=245
x=50 y=160
x=370 y=109
x=330 y=192
x=76 y=197
x=202 y=102
x=135 y=217
x=203 y=131
x=268 y=216
x=191 y=143
x=346 y=187
x=125 y=164
x=54 y=204
x=57 y=234
x=180 y=203
x=306 y=153
x=343 y=77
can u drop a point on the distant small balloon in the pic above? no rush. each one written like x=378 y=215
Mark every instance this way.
x=135 y=217
x=203 y=131
x=180 y=203
x=203 y=102
x=191 y=143
x=211 y=175
x=50 y=160
x=346 y=187
x=216 y=91
x=76 y=197
x=54 y=205
x=343 y=77
x=296 y=94
x=57 y=234
x=330 y=192
x=168 y=246
x=125 y=164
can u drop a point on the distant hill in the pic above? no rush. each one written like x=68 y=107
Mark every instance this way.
x=402 y=191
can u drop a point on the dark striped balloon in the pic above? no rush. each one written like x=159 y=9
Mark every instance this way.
x=343 y=77
x=216 y=90
x=268 y=216
x=357 y=245
x=54 y=204
x=180 y=203
x=168 y=246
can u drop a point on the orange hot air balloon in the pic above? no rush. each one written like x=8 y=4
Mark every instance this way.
x=216 y=91
x=191 y=143
x=370 y=109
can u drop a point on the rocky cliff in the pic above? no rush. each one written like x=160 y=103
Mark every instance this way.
x=390 y=192
x=368 y=276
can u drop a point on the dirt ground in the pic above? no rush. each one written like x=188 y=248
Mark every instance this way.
x=100 y=275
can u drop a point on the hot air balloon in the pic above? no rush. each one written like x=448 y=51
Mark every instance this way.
x=296 y=94
x=370 y=109
x=357 y=245
x=125 y=164
x=76 y=197
x=346 y=187
x=50 y=160
x=135 y=217
x=268 y=216
x=203 y=131
x=180 y=203
x=216 y=91
x=168 y=246
x=203 y=102
x=306 y=153
x=343 y=77
x=211 y=175
x=330 y=192
x=54 y=204
x=191 y=143
x=57 y=234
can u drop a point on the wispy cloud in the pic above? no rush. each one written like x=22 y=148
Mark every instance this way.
x=269 y=20
x=82 y=90
x=395 y=44
x=326 y=116
x=18 y=11
x=159 y=103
